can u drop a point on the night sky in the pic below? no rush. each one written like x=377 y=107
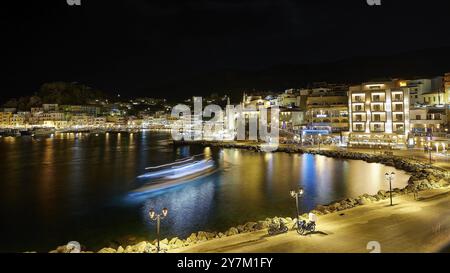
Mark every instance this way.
x=136 y=47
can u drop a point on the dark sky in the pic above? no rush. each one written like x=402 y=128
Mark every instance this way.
x=135 y=46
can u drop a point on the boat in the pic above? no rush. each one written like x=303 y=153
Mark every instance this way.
x=10 y=133
x=25 y=132
x=174 y=174
x=42 y=131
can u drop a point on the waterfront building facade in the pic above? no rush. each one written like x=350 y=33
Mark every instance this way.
x=379 y=114
x=327 y=111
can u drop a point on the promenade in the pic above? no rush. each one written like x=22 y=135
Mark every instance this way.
x=409 y=226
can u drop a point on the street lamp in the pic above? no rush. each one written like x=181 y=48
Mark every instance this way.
x=158 y=217
x=389 y=177
x=297 y=194
x=429 y=151
x=320 y=138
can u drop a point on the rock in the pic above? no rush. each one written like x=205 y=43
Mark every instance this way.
x=164 y=241
x=66 y=249
x=261 y=225
x=178 y=243
x=163 y=246
x=140 y=247
x=442 y=183
x=322 y=208
x=316 y=212
x=381 y=193
x=172 y=241
x=240 y=228
x=192 y=238
x=120 y=249
x=202 y=236
x=232 y=231
x=210 y=235
x=250 y=226
x=128 y=249
x=363 y=201
x=107 y=250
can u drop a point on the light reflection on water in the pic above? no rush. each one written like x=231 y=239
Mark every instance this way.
x=66 y=188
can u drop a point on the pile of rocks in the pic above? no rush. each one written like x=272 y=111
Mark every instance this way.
x=194 y=238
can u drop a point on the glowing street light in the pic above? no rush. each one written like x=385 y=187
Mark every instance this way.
x=297 y=194
x=389 y=177
x=158 y=217
x=320 y=139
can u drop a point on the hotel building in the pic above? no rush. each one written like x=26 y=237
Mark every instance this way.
x=378 y=114
x=328 y=112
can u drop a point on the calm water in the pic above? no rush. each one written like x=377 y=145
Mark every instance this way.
x=54 y=190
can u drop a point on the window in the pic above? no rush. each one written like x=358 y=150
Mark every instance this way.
x=359 y=127
x=376 y=98
x=398 y=117
x=358 y=117
x=358 y=98
x=398 y=127
x=398 y=97
x=358 y=108
x=377 y=127
x=418 y=117
x=398 y=107
x=377 y=117
x=377 y=107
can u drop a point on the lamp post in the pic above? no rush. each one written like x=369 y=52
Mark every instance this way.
x=297 y=194
x=320 y=139
x=429 y=151
x=389 y=177
x=158 y=217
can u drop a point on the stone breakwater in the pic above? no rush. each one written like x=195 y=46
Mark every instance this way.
x=423 y=177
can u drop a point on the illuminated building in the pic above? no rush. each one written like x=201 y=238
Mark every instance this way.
x=328 y=110
x=427 y=121
x=288 y=98
x=379 y=114
x=82 y=109
x=5 y=119
x=291 y=118
x=446 y=83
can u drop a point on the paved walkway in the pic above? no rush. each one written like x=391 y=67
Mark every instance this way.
x=408 y=226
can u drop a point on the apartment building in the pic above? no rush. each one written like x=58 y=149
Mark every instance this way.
x=426 y=121
x=379 y=113
x=5 y=118
x=328 y=110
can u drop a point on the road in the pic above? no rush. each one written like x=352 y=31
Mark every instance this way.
x=409 y=226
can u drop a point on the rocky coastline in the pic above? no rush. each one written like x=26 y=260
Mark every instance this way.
x=422 y=177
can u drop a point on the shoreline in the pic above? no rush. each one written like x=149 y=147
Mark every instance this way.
x=423 y=177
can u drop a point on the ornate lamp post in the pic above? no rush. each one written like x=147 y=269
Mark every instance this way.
x=297 y=194
x=158 y=217
x=389 y=177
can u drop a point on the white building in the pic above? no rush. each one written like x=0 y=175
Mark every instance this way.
x=379 y=113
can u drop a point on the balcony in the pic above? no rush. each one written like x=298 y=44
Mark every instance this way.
x=377 y=130
x=358 y=129
x=397 y=98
